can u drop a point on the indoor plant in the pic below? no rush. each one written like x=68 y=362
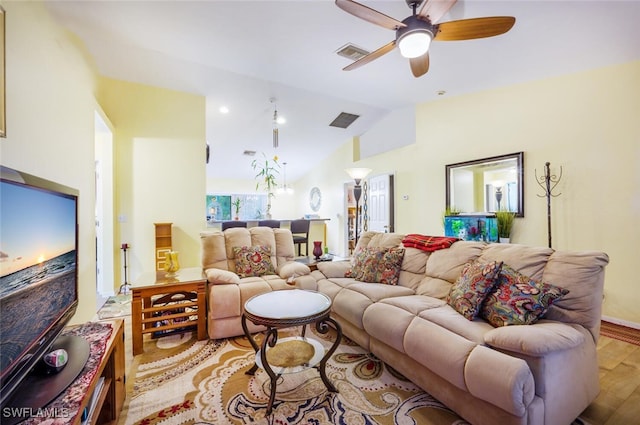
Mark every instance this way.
x=236 y=205
x=505 y=223
x=266 y=175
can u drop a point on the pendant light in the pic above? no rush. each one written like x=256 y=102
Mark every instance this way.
x=284 y=189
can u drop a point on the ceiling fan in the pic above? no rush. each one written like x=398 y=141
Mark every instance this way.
x=415 y=33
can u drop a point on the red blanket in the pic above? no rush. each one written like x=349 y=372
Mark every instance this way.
x=428 y=243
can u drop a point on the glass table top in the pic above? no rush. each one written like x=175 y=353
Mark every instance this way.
x=287 y=304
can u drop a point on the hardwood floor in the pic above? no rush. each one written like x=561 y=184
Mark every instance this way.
x=619 y=400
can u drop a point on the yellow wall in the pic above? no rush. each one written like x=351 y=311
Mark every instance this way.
x=159 y=138
x=587 y=123
x=50 y=121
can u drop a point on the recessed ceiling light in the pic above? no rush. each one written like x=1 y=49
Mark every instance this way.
x=224 y=110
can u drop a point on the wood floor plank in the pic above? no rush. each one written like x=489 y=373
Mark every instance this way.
x=628 y=412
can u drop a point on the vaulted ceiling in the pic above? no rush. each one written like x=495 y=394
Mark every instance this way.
x=241 y=54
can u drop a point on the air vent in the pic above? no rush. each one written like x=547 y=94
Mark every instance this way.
x=352 y=52
x=344 y=120
x=249 y=153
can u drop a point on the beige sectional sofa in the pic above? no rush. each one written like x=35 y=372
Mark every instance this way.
x=227 y=291
x=543 y=373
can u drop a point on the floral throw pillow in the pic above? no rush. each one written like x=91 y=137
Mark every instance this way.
x=253 y=261
x=472 y=287
x=377 y=265
x=518 y=300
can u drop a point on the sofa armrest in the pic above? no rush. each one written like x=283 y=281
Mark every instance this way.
x=334 y=268
x=535 y=340
x=292 y=269
x=219 y=276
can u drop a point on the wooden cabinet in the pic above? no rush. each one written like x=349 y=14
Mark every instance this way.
x=163 y=243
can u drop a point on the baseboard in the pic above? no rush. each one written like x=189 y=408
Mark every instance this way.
x=621 y=322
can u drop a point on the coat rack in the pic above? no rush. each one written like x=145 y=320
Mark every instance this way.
x=548 y=183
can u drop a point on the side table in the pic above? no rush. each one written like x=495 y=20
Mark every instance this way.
x=283 y=309
x=312 y=263
x=160 y=304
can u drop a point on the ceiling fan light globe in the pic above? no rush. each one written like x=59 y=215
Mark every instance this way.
x=414 y=44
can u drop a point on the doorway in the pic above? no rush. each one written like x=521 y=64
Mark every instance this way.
x=105 y=251
x=376 y=208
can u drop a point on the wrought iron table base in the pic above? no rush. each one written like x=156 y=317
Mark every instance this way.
x=323 y=325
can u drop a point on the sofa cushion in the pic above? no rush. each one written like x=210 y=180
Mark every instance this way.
x=377 y=265
x=472 y=287
x=446 y=317
x=582 y=273
x=536 y=340
x=518 y=300
x=253 y=261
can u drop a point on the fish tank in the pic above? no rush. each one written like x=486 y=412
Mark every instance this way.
x=472 y=227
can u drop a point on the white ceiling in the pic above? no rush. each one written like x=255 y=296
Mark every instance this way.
x=242 y=53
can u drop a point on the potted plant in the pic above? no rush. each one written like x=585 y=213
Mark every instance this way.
x=237 y=204
x=505 y=223
x=266 y=175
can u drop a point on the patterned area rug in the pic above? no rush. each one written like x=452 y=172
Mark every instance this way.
x=179 y=380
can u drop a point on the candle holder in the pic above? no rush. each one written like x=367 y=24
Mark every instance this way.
x=125 y=288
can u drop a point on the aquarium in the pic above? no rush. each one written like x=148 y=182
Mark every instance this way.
x=473 y=227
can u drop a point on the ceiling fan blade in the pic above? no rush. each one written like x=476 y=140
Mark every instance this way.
x=370 y=15
x=420 y=65
x=467 y=29
x=434 y=10
x=371 y=56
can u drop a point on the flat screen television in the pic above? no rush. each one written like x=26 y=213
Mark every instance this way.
x=38 y=271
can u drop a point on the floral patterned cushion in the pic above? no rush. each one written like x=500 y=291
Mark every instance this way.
x=518 y=300
x=472 y=287
x=377 y=265
x=253 y=261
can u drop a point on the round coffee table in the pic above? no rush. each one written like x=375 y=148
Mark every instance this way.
x=283 y=309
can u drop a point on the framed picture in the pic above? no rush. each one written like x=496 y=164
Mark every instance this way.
x=3 y=132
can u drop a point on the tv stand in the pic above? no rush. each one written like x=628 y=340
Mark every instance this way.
x=39 y=390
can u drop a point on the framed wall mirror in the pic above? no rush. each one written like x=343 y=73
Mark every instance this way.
x=486 y=185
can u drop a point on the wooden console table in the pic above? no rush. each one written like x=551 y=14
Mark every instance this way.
x=112 y=368
x=160 y=304
x=105 y=363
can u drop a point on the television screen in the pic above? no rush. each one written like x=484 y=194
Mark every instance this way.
x=38 y=270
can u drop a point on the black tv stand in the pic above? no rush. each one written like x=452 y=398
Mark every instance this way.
x=38 y=389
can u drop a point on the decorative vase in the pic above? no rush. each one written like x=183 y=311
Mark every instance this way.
x=317 y=249
x=171 y=263
x=505 y=240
